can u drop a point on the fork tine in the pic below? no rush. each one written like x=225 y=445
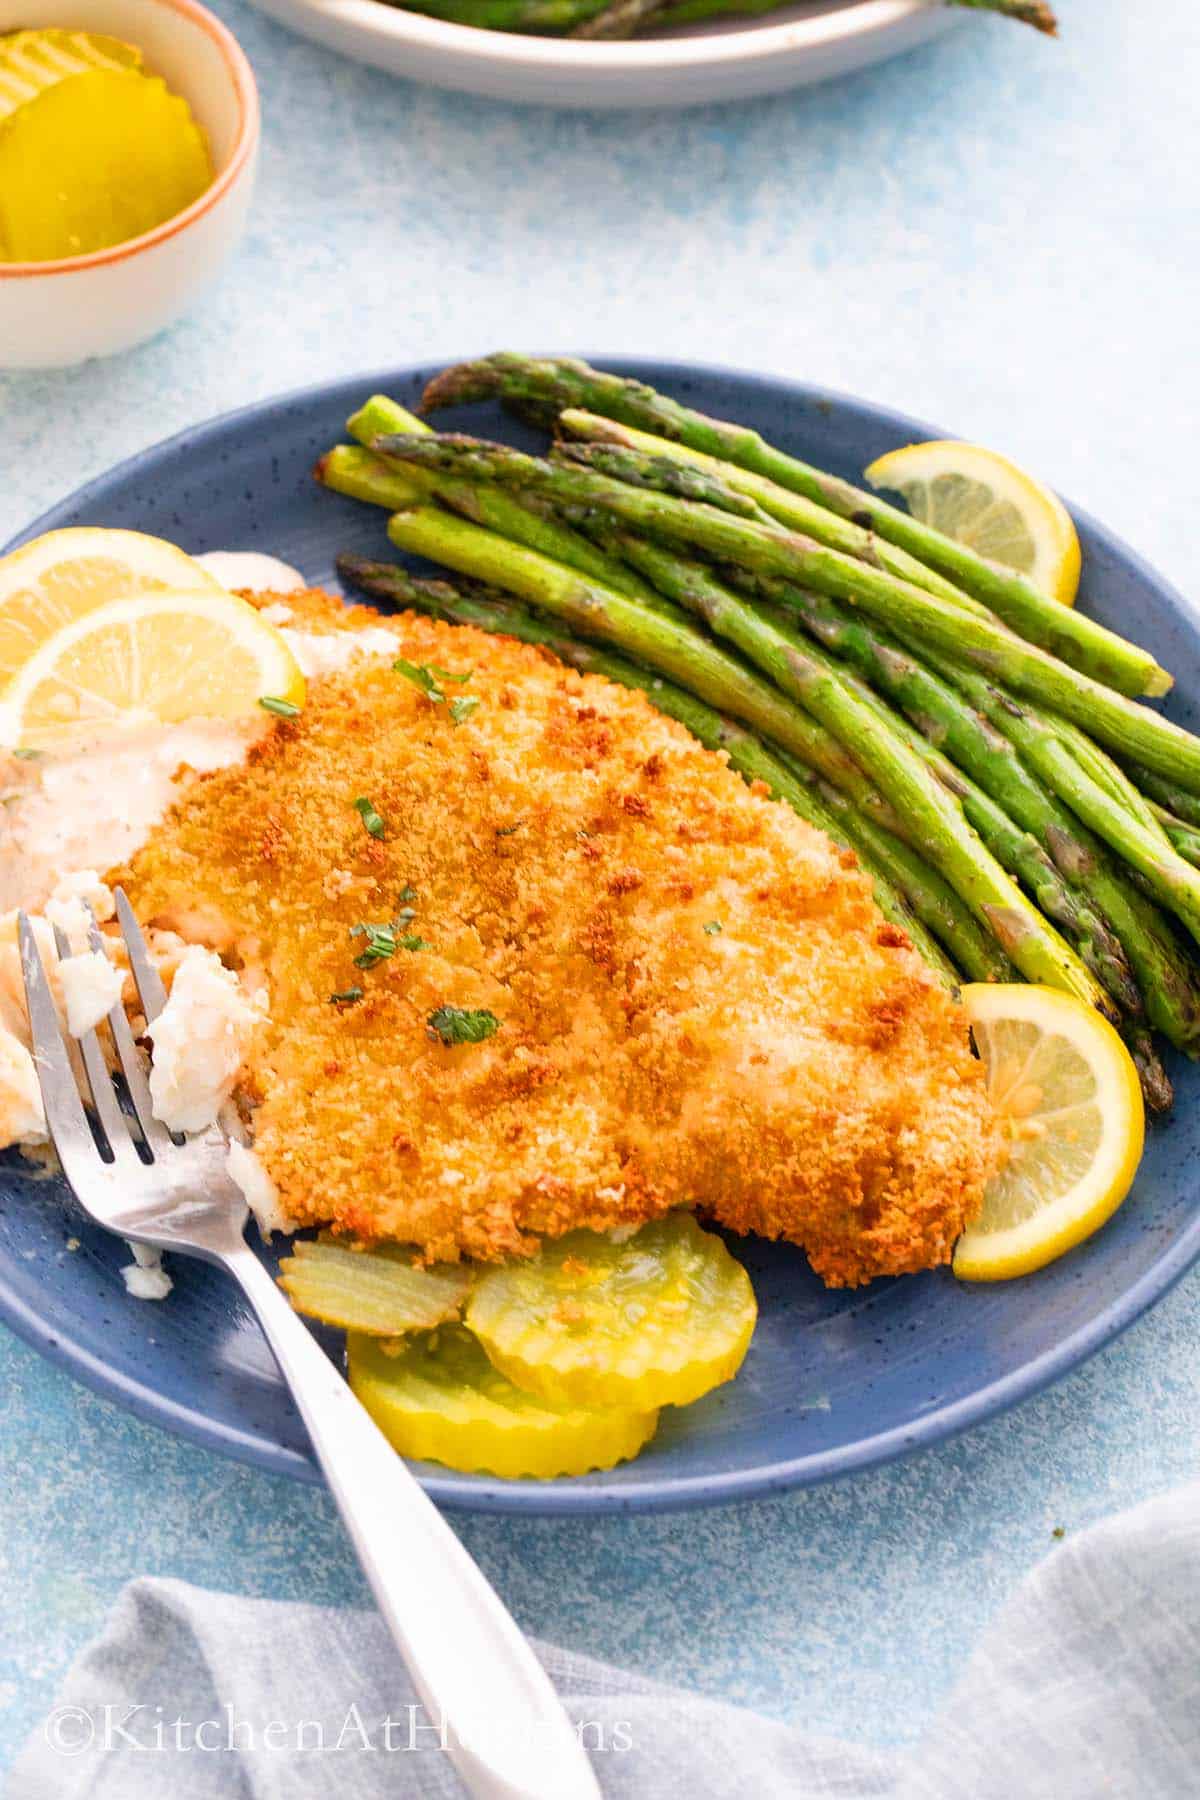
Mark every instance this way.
x=66 y=1120
x=148 y=981
x=104 y=1099
x=130 y=1058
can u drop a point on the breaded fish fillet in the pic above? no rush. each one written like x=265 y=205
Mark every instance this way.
x=696 y=998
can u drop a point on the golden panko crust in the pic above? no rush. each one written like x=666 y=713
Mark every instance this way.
x=794 y=1070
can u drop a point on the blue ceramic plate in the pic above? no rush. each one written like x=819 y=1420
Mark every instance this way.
x=833 y=1382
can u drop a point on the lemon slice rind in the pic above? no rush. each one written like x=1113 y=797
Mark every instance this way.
x=1068 y=1091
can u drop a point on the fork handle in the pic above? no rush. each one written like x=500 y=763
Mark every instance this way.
x=502 y=1724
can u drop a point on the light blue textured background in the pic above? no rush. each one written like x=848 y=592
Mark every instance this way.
x=998 y=232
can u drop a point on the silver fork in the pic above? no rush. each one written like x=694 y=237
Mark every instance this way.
x=479 y=1682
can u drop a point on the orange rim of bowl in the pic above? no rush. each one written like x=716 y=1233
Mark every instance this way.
x=245 y=88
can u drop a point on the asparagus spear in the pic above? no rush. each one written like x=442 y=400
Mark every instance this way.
x=697 y=12
x=778 y=503
x=976 y=761
x=952 y=717
x=621 y=19
x=491 y=611
x=1150 y=852
x=1155 y=1083
x=548 y=386
x=1185 y=837
x=364 y=476
x=661 y=475
x=1164 y=792
x=694 y=12
x=1164 y=969
x=769 y=552
x=536 y=18
x=380 y=413
x=1110 y=776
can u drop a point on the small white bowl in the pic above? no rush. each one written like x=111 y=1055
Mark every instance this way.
x=56 y=313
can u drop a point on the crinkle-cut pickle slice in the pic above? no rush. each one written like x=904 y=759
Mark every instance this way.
x=32 y=61
x=377 y=1291
x=439 y=1399
x=656 y=1320
x=94 y=161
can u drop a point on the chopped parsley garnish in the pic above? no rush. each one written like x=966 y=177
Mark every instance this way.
x=283 y=708
x=384 y=940
x=713 y=927
x=429 y=678
x=406 y=894
x=347 y=997
x=370 y=817
x=420 y=675
x=28 y=755
x=381 y=943
x=462 y=1025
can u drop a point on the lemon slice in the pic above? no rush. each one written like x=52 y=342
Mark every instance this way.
x=988 y=503
x=51 y=581
x=148 y=659
x=31 y=61
x=1065 y=1087
x=95 y=160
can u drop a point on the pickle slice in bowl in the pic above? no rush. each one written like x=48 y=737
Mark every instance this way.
x=32 y=61
x=376 y=1291
x=655 y=1320
x=95 y=160
x=436 y=1397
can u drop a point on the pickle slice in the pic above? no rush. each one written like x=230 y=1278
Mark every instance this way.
x=439 y=1399
x=376 y=1291
x=93 y=161
x=654 y=1321
x=32 y=61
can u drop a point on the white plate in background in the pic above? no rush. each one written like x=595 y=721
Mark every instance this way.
x=729 y=59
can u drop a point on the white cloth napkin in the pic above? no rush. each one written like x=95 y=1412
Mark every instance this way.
x=1086 y=1686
